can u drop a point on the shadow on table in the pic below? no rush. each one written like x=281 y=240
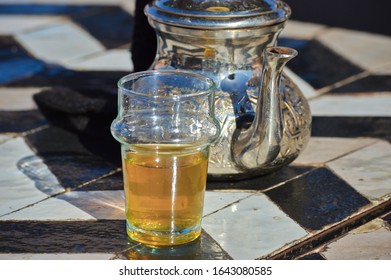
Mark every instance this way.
x=203 y=248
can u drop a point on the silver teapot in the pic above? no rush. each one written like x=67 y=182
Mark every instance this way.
x=265 y=119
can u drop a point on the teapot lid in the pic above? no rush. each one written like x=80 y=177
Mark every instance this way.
x=218 y=14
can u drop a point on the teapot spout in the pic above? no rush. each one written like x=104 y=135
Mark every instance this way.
x=260 y=144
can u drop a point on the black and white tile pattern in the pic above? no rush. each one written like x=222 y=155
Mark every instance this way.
x=61 y=190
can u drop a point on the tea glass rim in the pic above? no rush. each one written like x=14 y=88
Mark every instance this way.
x=184 y=73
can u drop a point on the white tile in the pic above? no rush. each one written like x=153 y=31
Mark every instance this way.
x=81 y=256
x=75 y=205
x=17 y=99
x=15 y=24
x=52 y=209
x=60 y=43
x=368 y=170
x=364 y=49
x=355 y=105
x=301 y=30
x=98 y=204
x=4 y=138
x=18 y=164
x=252 y=228
x=17 y=1
x=128 y=5
x=111 y=60
x=370 y=245
x=382 y=70
x=86 y=205
x=323 y=149
x=217 y=200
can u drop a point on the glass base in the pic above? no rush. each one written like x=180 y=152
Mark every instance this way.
x=162 y=238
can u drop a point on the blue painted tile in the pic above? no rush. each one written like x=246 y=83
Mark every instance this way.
x=18 y=68
x=100 y=25
x=15 y=62
x=317 y=199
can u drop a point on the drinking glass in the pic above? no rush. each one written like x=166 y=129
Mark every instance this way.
x=165 y=125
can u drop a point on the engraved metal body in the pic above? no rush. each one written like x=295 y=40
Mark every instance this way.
x=265 y=119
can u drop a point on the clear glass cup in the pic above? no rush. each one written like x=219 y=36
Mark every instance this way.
x=165 y=125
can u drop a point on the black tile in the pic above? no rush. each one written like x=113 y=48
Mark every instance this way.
x=110 y=183
x=81 y=128
x=45 y=9
x=115 y=181
x=387 y=218
x=378 y=127
x=298 y=44
x=55 y=75
x=316 y=63
x=69 y=156
x=261 y=182
x=71 y=170
x=375 y=83
x=15 y=62
x=55 y=139
x=20 y=69
x=317 y=199
x=90 y=112
x=105 y=236
x=204 y=248
x=112 y=26
x=20 y=121
x=345 y=16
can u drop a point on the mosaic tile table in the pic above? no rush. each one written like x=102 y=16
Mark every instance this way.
x=61 y=191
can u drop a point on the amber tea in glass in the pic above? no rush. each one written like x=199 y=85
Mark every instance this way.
x=165 y=192
x=165 y=125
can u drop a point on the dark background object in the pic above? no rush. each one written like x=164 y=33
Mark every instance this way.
x=144 y=39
